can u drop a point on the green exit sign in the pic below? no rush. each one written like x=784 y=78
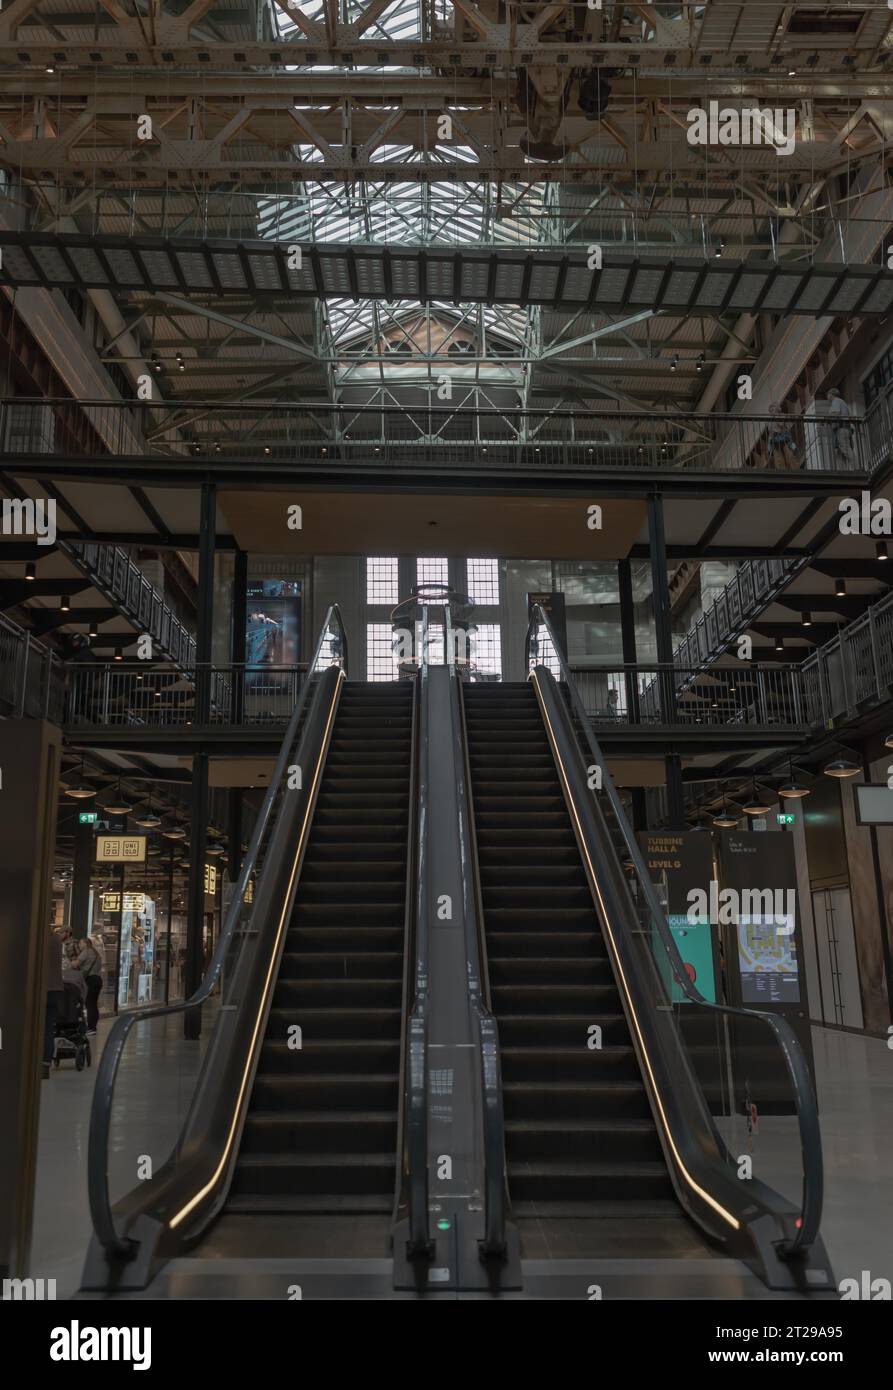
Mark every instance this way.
x=87 y=817
x=785 y=819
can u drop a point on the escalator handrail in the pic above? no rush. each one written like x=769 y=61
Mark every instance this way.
x=495 y=1186
x=414 y=1148
x=795 y=1062
x=107 y=1071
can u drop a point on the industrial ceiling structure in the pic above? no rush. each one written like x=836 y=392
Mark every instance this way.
x=515 y=136
x=437 y=221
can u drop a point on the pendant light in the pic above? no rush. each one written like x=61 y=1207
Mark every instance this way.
x=791 y=790
x=119 y=806
x=726 y=820
x=842 y=767
x=888 y=741
x=174 y=832
x=148 y=819
x=82 y=791
x=755 y=807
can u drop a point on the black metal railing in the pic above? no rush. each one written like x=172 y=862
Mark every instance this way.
x=31 y=676
x=373 y=436
x=413 y=1174
x=493 y=1245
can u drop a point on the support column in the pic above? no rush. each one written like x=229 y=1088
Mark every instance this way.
x=79 y=921
x=630 y=657
x=30 y=760
x=195 y=903
x=237 y=638
x=663 y=630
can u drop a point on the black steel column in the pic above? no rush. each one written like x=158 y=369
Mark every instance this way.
x=82 y=872
x=238 y=641
x=170 y=922
x=234 y=832
x=195 y=903
x=663 y=631
x=630 y=657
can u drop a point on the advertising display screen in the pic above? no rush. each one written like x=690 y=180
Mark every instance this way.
x=273 y=629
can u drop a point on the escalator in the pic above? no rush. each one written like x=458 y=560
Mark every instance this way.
x=629 y=1152
x=577 y=1118
x=283 y=1150
x=321 y=1135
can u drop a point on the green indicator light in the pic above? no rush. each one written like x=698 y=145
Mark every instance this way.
x=443 y=1225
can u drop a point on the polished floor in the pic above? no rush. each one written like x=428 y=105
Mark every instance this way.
x=855 y=1084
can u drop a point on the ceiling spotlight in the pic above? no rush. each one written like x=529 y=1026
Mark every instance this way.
x=82 y=791
x=719 y=250
x=267 y=449
x=674 y=362
x=779 y=644
x=792 y=790
x=119 y=653
x=51 y=70
x=806 y=620
x=882 y=551
x=840 y=588
x=699 y=364
x=93 y=630
x=65 y=604
x=156 y=362
x=792 y=72
x=30 y=571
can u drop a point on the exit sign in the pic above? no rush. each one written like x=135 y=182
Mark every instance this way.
x=87 y=817
x=785 y=819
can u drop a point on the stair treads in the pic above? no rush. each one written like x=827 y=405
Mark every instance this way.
x=321 y=1130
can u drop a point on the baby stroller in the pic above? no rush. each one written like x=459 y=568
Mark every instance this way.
x=71 y=1029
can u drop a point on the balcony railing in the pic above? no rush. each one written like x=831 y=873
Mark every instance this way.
x=132 y=695
x=738 y=603
x=125 y=585
x=855 y=670
x=754 y=696
x=416 y=437
x=31 y=677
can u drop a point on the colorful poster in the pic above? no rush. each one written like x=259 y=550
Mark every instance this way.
x=273 y=630
x=694 y=943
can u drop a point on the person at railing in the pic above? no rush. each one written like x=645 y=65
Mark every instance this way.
x=841 y=429
x=780 y=441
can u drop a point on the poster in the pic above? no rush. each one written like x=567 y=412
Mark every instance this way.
x=273 y=631
x=677 y=862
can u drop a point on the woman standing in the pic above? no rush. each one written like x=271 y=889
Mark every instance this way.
x=90 y=965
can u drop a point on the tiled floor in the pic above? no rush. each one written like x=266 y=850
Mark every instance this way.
x=855 y=1084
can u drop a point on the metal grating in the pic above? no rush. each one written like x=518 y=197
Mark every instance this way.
x=548 y=276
